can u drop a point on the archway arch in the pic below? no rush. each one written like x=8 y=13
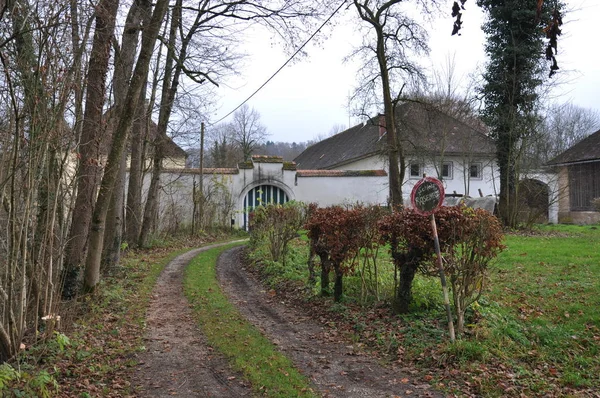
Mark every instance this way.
x=534 y=201
x=262 y=194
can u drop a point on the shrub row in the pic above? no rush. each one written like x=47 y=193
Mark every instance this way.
x=469 y=239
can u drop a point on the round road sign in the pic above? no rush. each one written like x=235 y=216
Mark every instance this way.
x=427 y=195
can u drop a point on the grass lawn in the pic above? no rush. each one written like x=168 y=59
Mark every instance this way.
x=534 y=333
x=547 y=288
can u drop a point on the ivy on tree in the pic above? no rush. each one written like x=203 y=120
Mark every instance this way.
x=515 y=48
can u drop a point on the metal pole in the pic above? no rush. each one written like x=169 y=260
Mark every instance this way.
x=436 y=242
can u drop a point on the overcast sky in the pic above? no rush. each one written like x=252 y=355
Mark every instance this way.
x=308 y=98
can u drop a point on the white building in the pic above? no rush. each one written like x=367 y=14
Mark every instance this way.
x=349 y=167
x=434 y=143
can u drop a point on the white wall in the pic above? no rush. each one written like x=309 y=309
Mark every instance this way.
x=176 y=202
x=176 y=199
x=460 y=181
x=327 y=191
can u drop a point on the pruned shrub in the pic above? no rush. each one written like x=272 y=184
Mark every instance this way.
x=409 y=237
x=469 y=240
x=474 y=238
x=277 y=225
x=335 y=236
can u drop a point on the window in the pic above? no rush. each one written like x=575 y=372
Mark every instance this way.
x=475 y=171
x=415 y=170
x=447 y=170
x=584 y=185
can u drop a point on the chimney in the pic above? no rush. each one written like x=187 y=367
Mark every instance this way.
x=382 y=127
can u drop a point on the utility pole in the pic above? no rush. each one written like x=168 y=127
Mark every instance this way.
x=201 y=185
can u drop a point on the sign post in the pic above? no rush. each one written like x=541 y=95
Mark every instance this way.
x=426 y=197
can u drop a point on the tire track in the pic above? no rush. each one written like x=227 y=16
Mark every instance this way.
x=336 y=370
x=178 y=360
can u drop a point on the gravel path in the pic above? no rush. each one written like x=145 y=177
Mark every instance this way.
x=177 y=360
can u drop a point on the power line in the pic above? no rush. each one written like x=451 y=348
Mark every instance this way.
x=284 y=65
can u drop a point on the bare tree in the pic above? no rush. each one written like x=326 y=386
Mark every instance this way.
x=124 y=62
x=194 y=51
x=449 y=94
x=149 y=36
x=565 y=125
x=40 y=55
x=193 y=55
x=221 y=150
x=247 y=131
x=92 y=136
x=387 y=67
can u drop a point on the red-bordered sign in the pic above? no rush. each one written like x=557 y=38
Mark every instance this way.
x=427 y=196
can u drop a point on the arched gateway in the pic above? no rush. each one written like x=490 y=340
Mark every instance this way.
x=261 y=195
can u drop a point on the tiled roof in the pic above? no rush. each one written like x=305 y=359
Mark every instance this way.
x=424 y=130
x=341 y=173
x=355 y=143
x=585 y=150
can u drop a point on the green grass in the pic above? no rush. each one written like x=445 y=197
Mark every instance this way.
x=270 y=373
x=549 y=291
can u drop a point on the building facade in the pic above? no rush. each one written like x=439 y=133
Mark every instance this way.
x=230 y=194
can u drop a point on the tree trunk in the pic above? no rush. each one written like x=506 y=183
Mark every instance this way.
x=325 y=269
x=134 y=190
x=114 y=229
x=460 y=310
x=396 y=162
x=507 y=206
x=133 y=215
x=151 y=208
x=124 y=61
x=312 y=277
x=170 y=82
x=408 y=265
x=150 y=34
x=91 y=137
x=338 y=288
x=404 y=293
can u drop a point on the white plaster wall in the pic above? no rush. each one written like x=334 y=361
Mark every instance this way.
x=176 y=202
x=176 y=194
x=489 y=183
x=327 y=191
x=460 y=181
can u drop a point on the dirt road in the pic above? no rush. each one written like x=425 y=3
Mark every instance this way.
x=178 y=361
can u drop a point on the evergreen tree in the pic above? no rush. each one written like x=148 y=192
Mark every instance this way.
x=515 y=48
